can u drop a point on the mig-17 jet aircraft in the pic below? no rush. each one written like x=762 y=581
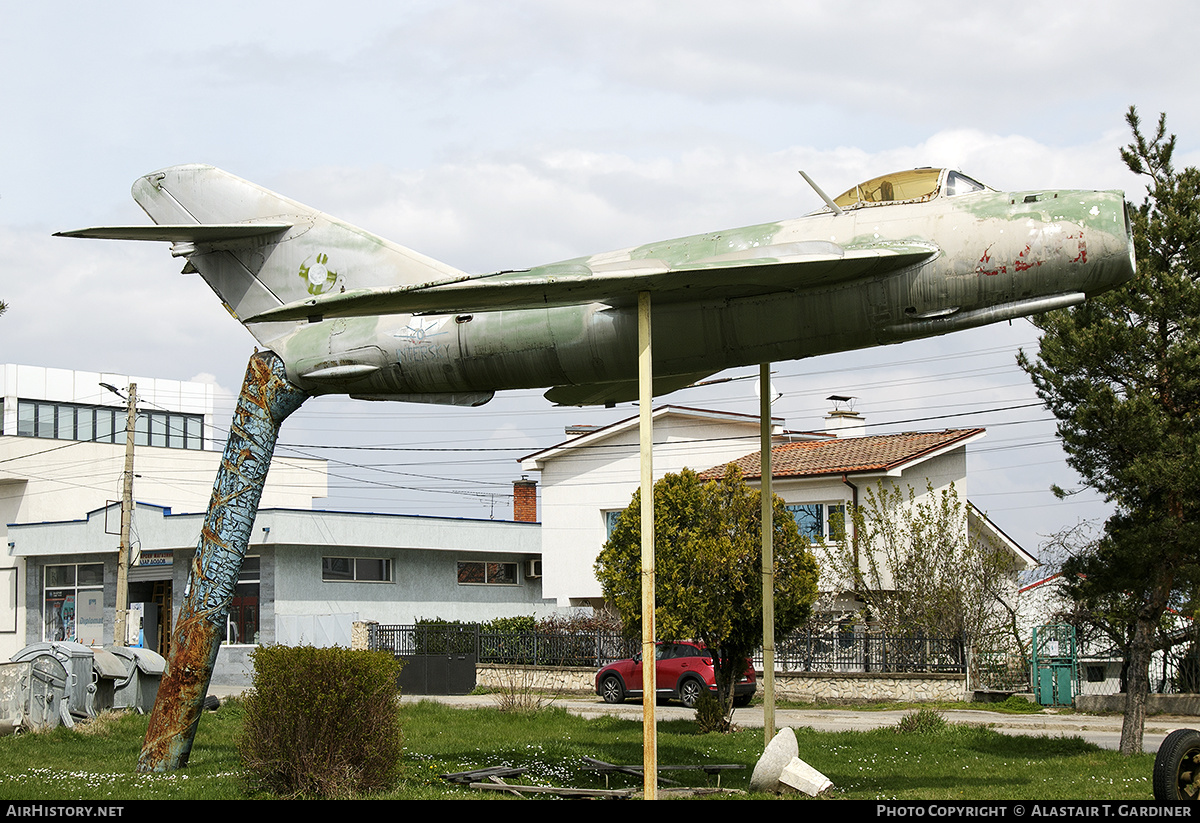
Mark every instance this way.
x=907 y=255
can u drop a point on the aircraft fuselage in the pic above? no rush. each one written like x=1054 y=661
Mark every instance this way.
x=908 y=255
x=1000 y=255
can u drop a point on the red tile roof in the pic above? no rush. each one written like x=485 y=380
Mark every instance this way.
x=848 y=455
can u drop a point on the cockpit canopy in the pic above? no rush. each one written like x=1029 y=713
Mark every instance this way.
x=910 y=186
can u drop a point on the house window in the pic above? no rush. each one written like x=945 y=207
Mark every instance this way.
x=479 y=573
x=73 y=603
x=356 y=569
x=610 y=521
x=241 y=623
x=820 y=521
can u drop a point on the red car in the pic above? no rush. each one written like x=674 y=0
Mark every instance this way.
x=683 y=671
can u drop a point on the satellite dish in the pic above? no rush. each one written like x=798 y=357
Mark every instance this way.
x=775 y=392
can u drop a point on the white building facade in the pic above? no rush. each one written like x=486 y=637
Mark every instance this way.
x=308 y=576
x=62 y=456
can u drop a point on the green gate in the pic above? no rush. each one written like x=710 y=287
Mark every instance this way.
x=1055 y=662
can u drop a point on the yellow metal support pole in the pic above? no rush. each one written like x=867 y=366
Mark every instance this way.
x=646 y=439
x=768 y=552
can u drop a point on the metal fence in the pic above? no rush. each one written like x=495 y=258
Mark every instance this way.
x=799 y=652
x=425 y=639
x=1002 y=672
x=862 y=652
x=587 y=649
x=1174 y=670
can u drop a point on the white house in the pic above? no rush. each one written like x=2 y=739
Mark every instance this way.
x=589 y=479
x=821 y=480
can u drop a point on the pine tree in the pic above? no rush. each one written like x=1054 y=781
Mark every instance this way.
x=1121 y=373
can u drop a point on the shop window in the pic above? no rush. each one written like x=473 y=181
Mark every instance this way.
x=73 y=603
x=241 y=624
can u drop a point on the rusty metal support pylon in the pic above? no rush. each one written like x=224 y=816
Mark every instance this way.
x=266 y=399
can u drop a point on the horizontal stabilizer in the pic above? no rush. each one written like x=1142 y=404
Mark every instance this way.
x=184 y=233
x=799 y=266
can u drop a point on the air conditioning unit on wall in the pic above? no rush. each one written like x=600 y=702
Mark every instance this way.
x=533 y=568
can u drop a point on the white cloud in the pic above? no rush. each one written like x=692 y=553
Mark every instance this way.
x=497 y=135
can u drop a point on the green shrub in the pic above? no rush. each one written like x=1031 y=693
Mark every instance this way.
x=433 y=635
x=519 y=623
x=1019 y=705
x=709 y=717
x=322 y=722
x=922 y=721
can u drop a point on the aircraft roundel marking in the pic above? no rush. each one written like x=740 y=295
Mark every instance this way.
x=318 y=277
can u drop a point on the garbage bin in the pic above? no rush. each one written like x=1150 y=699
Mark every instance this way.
x=143 y=672
x=108 y=670
x=33 y=694
x=89 y=681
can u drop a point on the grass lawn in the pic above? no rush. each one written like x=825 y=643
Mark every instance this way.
x=953 y=763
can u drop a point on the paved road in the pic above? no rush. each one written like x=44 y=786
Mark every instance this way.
x=1103 y=730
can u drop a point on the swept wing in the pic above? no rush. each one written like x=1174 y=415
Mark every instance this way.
x=758 y=271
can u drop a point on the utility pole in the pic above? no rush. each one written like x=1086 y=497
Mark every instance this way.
x=119 y=628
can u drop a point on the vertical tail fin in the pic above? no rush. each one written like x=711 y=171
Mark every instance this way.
x=259 y=250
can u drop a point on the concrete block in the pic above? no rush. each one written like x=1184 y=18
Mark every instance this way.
x=802 y=777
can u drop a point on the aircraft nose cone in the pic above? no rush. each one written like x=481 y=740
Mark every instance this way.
x=1129 y=251
x=1110 y=241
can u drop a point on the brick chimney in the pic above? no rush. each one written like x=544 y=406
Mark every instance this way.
x=525 y=500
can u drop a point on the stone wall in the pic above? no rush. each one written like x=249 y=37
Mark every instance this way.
x=537 y=678
x=801 y=688
x=1184 y=704
x=850 y=687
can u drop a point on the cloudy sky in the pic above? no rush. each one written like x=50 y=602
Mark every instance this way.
x=500 y=135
